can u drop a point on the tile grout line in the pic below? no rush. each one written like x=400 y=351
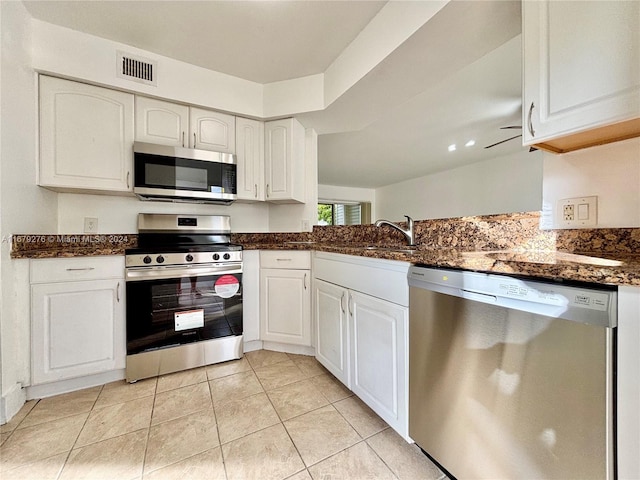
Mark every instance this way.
x=215 y=417
x=146 y=446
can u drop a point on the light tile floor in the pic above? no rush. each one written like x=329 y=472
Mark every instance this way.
x=270 y=415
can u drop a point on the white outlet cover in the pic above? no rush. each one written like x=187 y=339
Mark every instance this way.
x=578 y=205
x=90 y=225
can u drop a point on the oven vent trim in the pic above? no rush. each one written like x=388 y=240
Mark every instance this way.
x=137 y=69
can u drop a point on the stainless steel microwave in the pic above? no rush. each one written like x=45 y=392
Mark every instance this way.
x=177 y=174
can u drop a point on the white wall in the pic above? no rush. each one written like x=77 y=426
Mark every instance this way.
x=25 y=207
x=505 y=184
x=611 y=172
x=120 y=214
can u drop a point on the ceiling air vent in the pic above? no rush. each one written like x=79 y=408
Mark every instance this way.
x=137 y=69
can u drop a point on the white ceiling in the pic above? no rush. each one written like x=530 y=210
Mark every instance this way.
x=457 y=78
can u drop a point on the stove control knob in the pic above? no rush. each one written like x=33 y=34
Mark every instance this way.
x=227 y=256
x=147 y=259
x=189 y=258
x=160 y=259
x=216 y=256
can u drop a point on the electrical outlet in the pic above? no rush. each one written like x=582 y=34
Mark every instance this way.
x=569 y=212
x=578 y=212
x=306 y=225
x=90 y=225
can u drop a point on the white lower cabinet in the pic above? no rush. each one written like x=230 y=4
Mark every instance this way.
x=361 y=317
x=378 y=349
x=332 y=336
x=77 y=313
x=285 y=297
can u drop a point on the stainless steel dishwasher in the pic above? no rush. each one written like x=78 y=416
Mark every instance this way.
x=512 y=378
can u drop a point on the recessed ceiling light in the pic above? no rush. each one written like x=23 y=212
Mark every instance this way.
x=452 y=147
x=470 y=143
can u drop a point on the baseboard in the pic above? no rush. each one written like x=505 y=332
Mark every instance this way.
x=252 y=346
x=65 y=386
x=287 y=348
x=11 y=402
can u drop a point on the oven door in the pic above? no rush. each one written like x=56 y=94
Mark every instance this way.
x=168 y=306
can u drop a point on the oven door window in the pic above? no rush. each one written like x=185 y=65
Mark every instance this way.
x=170 y=312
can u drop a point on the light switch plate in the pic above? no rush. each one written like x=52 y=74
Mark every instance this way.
x=577 y=212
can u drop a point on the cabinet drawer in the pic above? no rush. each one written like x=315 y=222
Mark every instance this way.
x=285 y=259
x=53 y=270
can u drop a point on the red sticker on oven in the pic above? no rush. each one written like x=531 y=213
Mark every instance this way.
x=227 y=286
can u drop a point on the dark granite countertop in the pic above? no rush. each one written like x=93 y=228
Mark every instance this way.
x=510 y=244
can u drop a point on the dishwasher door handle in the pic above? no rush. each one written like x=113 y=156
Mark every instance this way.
x=480 y=297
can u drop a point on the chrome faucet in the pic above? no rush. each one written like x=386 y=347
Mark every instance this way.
x=409 y=233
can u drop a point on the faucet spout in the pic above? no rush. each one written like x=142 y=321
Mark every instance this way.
x=409 y=233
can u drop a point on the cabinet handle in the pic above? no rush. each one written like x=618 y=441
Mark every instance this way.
x=305 y=281
x=256 y=190
x=267 y=190
x=283 y=259
x=194 y=139
x=128 y=176
x=118 y=292
x=183 y=139
x=80 y=269
x=341 y=301
x=349 y=305
x=530 y=124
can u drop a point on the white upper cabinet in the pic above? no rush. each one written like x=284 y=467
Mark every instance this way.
x=212 y=130
x=581 y=82
x=161 y=122
x=250 y=157
x=167 y=123
x=86 y=137
x=284 y=161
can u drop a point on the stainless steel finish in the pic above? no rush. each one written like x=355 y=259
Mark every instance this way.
x=529 y=121
x=177 y=196
x=183 y=357
x=584 y=305
x=171 y=259
x=511 y=378
x=80 y=269
x=409 y=233
x=169 y=223
x=180 y=152
x=137 y=274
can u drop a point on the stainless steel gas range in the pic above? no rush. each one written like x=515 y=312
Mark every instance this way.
x=184 y=294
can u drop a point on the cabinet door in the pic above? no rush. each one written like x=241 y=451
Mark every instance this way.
x=86 y=137
x=285 y=306
x=332 y=334
x=581 y=71
x=77 y=329
x=379 y=357
x=161 y=122
x=212 y=130
x=284 y=161
x=250 y=157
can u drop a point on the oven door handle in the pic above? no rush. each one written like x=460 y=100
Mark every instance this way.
x=139 y=274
